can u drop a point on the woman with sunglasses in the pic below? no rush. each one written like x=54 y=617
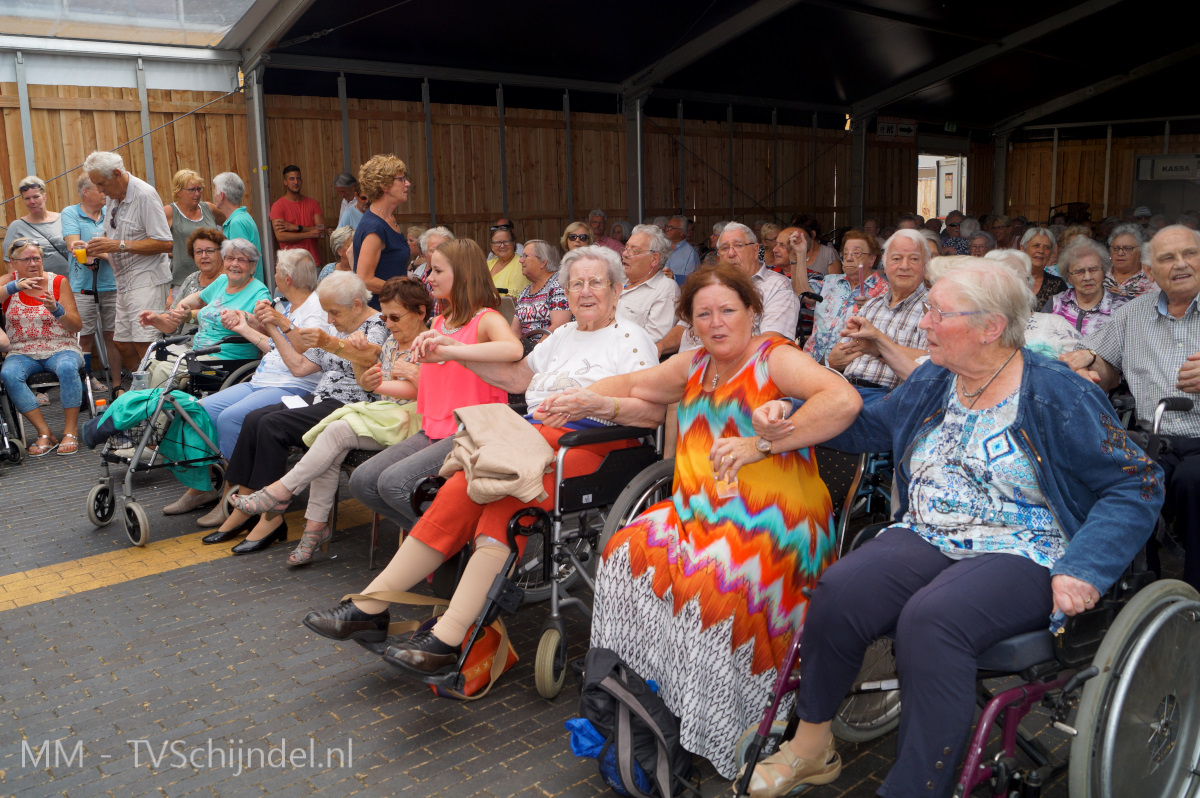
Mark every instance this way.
x=40 y=225
x=42 y=324
x=380 y=247
x=188 y=213
x=503 y=264
x=576 y=236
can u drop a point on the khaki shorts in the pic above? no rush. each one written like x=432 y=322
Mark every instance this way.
x=130 y=303
x=87 y=311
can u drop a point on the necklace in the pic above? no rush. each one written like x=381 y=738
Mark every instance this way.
x=452 y=330
x=717 y=376
x=974 y=395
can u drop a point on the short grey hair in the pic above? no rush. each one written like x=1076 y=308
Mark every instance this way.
x=83 y=183
x=544 y=251
x=968 y=227
x=242 y=246
x=340 y=237
x=423 y=239
x=913 y=236
x=986 y=236
x=598 y=212
x=229 y=184
x=1015 y=259
x=660 y=221
x=719 y=228
x=1034 y=232
x=104 y=162
x=345 y=180
x=658 y=241
x=611 y=260
x=31 y=181
x=342 y=288
x=994 y=291
x=298 y=264
x=624 y=225
x=738 y=227
x=683 y=220
x=1077 y=249
x=1148 y=258
x=1128 y=229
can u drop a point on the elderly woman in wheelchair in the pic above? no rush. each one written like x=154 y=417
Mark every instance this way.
x=42 y=335
x=596 y=345
x=1020 y=499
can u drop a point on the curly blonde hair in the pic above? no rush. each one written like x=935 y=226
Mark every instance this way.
x=182 y=178
x=376 y=175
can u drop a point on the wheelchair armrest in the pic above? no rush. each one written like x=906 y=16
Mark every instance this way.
x=585 y=437
x=234 y=339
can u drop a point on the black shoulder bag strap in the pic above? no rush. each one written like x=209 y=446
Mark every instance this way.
x=626 y=703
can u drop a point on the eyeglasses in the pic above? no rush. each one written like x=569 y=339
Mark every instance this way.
x=522 y=257
x=938 y=315
x=578 y=237
x=596 y=284
x=952 y=224
x=496 y=243
x=401 y=178
x=1090 y=270
x=739 y=246
x=394 y=318
x=672 y=227
x=854 y=253
x=1121 y=250
x=30 y=259
x=196 y=251
x=496 y=227
x=239 y=260
x=633 y=253
x=770 y=241
x=194 y=189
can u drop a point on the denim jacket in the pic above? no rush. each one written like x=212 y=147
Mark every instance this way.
x=1101 y=488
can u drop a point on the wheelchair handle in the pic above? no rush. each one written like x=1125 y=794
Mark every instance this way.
x=206 y=350
x=174 y=339
x=1079 y=678
x=1174 y=404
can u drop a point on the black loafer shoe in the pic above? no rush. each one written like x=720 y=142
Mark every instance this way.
x=277 y=535
x=348 y=622
x=217 y=536
x=424 y=655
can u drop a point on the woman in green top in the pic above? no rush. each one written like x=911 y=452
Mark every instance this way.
x=234 y=290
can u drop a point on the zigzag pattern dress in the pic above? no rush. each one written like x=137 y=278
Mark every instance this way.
x=702 y=594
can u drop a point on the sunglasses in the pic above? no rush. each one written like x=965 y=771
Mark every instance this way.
x=394 y=318
x=496 y=227
x=579 y=237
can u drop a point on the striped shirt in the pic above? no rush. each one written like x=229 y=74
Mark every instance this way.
x=1149 y=346
x=898 y=323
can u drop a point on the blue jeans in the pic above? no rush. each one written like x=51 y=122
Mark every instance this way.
x=17 y=370
x=228 y=409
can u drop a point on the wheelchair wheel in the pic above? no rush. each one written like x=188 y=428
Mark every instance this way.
x=550 y=667
x=770 y=746
x=1139 y=719
x=216 y=475
x=648 y=488
x=101 y=505
x=241 y=374
x=15 y=452
x=137 y=525
x=867 y=716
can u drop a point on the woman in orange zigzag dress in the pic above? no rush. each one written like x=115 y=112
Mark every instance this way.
x=702 y=592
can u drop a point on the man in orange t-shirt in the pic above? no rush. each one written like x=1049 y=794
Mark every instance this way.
x=296 y=218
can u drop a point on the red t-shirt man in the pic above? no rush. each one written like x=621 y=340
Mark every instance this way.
x=295 y=218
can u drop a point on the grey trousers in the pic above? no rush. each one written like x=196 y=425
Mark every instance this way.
x=385 y=482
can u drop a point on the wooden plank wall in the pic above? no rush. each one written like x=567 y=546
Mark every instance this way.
x=891 y=179
x=980 y=178
x=1080 y=172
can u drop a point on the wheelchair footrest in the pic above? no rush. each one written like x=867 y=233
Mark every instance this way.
x=506 y=594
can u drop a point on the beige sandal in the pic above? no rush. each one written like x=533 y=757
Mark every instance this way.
x=783 y=772
x=312 y=538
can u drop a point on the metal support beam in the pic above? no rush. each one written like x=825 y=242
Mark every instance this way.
x=774 y=165
x=503 y=152
x=1099 y=87
x=420 y=72
x=282 y=16
x=122 y=50
x=429 y=182
x=345 y=106
x=1107 y=166
x=1000 y=174
x=981 y=55
x=143 y=99
x=256 y=135
x=1054 y=170
x=858 y=171
x=634 y=166
x=744 y=101
x=682 y=162
x=570 y=165
x=26 y=114
x=729 y=177
x=719 y=35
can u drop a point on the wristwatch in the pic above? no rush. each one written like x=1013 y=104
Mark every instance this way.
x=763 y=445
x=122 y=247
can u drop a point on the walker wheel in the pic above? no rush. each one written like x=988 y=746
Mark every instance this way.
x=550 y=667
x=770 y=745
x=137 y=525
x=15 y=452
x=101 y=505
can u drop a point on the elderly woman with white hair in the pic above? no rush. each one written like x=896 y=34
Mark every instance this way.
x=1042 y=248
x=994 y=535
x=341 y=241
x=543 y=303
x=1087 y=304
x=597 y=344
x=1125 y=245
x=260 y=454
x=427 y=242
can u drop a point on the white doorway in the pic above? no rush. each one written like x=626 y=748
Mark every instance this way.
x=941 y=184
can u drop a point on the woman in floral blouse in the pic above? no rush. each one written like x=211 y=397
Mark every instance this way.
x=542 y=303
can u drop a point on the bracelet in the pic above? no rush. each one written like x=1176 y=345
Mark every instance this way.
x=59 y=311
x=1092 y=362
x=341 y=345
x=616 y=408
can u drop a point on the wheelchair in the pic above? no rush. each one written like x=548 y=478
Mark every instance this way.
x=141 y=446
x=1129 y=668
x=557 y=555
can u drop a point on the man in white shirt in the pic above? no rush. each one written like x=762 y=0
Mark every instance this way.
x=683 y=259
x=137 y=240
x=649 y=296
x=738 y=248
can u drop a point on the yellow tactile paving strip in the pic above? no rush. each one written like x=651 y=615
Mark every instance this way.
x=124 y=565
